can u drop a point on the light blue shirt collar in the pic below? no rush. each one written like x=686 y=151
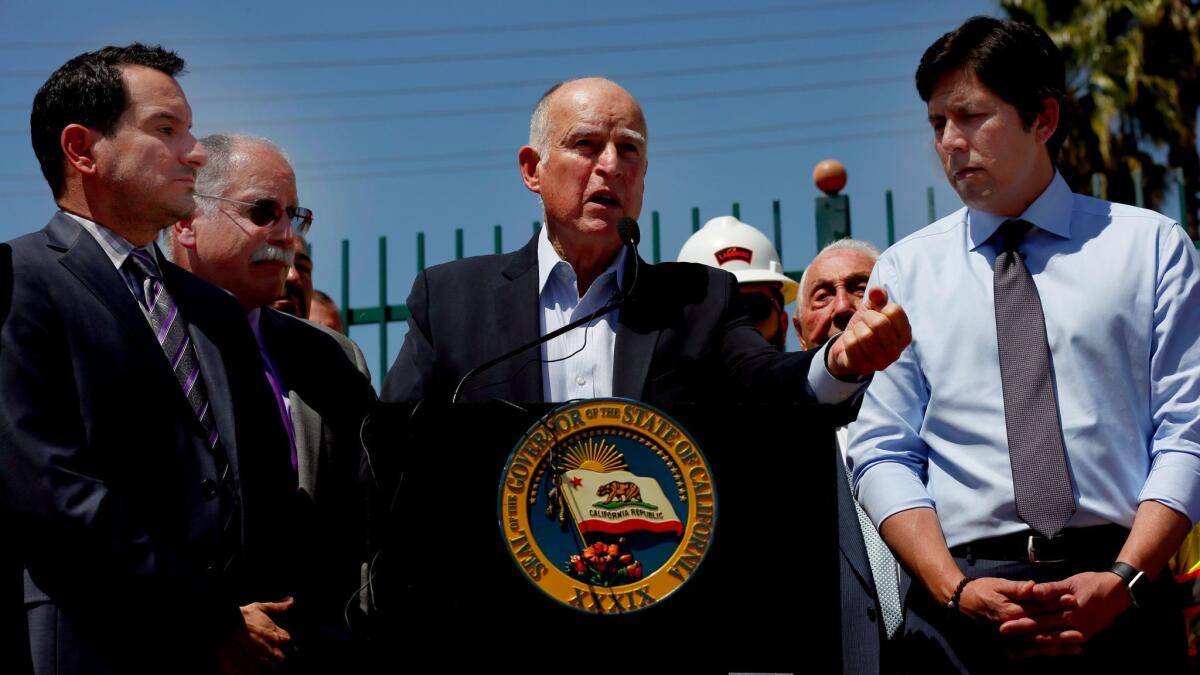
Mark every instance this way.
x=549 y=263
x=1051 y=212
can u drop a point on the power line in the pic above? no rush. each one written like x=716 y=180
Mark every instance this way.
x=490 y=110
x=382 y=92
x=656 y=141
x=680 y=152
x=482 y=29
x=760 y=38
x=683 y=152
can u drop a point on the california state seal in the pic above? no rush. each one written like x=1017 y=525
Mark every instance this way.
x=607 y=505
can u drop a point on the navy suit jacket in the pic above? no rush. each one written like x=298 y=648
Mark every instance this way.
x=330 y=396
x=862 y=617
x=681 y=337
x=106 y=477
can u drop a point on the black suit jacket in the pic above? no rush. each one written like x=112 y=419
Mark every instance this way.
x=862 y=627
x=681 y=337
x=106 y=469
x=330 y=396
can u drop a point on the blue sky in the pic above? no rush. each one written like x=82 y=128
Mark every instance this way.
x=406 y=117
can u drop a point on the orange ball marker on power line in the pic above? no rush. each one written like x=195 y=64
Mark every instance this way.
x=830 y=176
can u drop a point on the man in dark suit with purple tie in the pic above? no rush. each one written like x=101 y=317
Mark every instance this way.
x=139 y=441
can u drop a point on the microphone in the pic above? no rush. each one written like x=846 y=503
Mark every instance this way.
x=630 y=234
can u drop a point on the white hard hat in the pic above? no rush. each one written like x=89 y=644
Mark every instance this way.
x=729 y=244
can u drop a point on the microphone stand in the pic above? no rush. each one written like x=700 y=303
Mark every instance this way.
x=631 y=247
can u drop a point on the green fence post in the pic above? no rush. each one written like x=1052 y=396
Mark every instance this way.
x=1139 y=199
x=695 y=219
x=737 y=210
x=383 y=307
x=929 y=205
x=345 y=308
x=420 y=252
x=536 y=225
x=656 y=247
x=775 y=214
x=458 y=243
x=891 y=217
x=498 y=235
x=833 y=218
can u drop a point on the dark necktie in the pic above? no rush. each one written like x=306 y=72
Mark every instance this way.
x=172 y=335
x=1041 y=482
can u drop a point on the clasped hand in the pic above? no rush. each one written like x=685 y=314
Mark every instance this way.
x=1048 y=619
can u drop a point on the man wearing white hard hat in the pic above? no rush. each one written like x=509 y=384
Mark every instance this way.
x=729 y=244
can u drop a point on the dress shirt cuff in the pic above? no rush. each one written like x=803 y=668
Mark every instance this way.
x=1174 y=482
x=825 y=387
x=887 y=488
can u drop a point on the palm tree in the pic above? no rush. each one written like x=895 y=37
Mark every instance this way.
x=1133 y=69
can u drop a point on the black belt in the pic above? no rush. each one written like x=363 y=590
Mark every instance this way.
x=1102 y=542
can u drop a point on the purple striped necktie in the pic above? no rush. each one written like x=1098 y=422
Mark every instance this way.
x=172 y=336
x=168 y=326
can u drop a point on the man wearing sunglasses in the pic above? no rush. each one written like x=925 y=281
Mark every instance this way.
x=243 y=237
x=134 y=441
x=680 y=336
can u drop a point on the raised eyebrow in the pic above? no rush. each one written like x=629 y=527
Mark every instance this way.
x=631 y=135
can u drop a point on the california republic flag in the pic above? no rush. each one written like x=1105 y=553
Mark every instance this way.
x=616 y=502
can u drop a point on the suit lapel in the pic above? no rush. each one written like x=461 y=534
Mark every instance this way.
x=850 y=537
x=84 y=258
x=306 y=423
x=517 y=290
x=637 y=334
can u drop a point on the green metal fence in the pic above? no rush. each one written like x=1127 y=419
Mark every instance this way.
x=833 y=221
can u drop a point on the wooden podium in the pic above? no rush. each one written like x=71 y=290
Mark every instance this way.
x=448 y=593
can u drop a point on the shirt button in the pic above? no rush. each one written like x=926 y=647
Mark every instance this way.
x=579 y=380
x=209 y=488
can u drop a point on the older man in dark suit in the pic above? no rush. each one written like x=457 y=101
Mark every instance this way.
x=681 y=335
x=140 y=454
x=243 y=238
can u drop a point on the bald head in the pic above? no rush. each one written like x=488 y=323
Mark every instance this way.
x=539 y=122
x=587 y=161
x=831 y=289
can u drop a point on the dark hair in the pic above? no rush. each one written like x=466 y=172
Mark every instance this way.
x=1017 y=61
x=88 y=90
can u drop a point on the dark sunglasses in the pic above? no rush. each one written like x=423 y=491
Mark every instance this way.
x=759 y=307
x=265 y=212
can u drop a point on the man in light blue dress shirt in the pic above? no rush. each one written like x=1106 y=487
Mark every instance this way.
x=1119 y=289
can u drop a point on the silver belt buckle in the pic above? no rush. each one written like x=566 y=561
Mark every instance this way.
x=1031 y=552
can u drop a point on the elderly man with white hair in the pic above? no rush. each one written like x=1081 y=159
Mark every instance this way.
x=831 y=290
x=243 y=237
x=680 y=334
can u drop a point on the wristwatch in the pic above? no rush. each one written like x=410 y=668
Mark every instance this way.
x=1135 y=582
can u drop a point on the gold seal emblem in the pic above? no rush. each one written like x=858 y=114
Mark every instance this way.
x=607 y=505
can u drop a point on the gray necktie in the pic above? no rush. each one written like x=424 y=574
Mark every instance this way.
x=883 y=569
x=168 y=326
x=1041 y=481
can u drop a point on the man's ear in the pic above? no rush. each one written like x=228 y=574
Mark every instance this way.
x=1046 y=122
x=78 y=145
x=184 y=233
x=528 y=159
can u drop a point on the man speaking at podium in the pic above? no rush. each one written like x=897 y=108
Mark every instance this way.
x=658 y=333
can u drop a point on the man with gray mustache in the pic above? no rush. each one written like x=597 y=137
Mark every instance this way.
x=243 y=238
